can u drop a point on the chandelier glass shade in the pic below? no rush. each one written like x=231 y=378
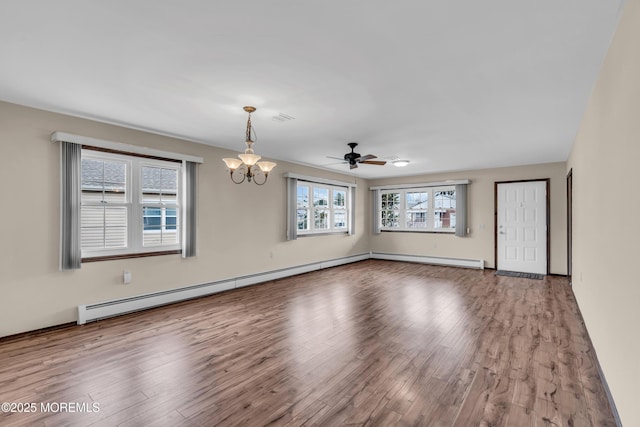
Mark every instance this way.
x=248 y=165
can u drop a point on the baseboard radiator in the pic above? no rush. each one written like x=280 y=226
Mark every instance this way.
x=103 y=310
x=452 y=262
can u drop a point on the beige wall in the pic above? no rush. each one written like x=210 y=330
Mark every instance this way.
x=604 y=159
x=241 y=227
x=480 y=244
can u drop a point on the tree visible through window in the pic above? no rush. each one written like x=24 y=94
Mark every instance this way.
x=418 y=209
x=325 y=205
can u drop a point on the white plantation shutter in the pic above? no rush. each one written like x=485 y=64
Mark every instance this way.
x=105 y=204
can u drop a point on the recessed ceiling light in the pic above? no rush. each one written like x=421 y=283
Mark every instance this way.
x=400 y=163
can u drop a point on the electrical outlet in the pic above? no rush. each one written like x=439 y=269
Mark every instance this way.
x=126 y=277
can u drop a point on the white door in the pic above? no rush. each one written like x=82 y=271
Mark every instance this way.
x=522 y=226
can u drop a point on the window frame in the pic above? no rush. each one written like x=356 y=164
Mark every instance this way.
x=135 y=246
x=330 y=209
x=403 y=210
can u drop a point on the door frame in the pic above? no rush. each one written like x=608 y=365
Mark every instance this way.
x=570 y=224
x=495 y=217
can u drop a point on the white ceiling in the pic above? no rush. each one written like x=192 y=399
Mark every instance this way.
x=449 y=85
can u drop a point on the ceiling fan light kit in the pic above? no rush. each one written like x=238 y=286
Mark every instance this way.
x=243 y=168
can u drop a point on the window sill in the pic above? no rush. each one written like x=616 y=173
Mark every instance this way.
x=328 y=233
x=129 y=256
x=453 y=232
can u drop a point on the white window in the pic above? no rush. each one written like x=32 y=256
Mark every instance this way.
x=129 y=204
x=321 y=208
x=418 y=209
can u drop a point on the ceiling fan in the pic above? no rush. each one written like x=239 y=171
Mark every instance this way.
x=354 y=158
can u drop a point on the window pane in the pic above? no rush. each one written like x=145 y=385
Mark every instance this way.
x=390 y=219
x=92 y=175
x=339 y=219
x=103 y=180
x=445 y=209
x=169 y=199
x=103 y=227
x=320 y=196
x=390 y=201
x=151 y=179
x=152 y=219
x=321 y=219
x=444 y=199
x=303 y=219
x=417 y=200
x=171 y=218
x=169 y=181
x=445 y=219
x=159 y=226
x=115 y=227
x=416 y=219
x=303 y=196
x=170 y=237
x=339 y=199
x=92 y=227
x=115 y=237
x=159 y=184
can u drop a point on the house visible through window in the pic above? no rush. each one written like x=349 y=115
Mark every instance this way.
x=129 y=204
x=321 y=208
x=418 y=209
x=159 y=205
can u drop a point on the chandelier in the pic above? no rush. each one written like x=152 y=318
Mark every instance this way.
x=245 y=167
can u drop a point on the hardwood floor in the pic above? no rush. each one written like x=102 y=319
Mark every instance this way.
x=371 y=343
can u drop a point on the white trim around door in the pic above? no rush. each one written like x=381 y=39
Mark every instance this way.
x=522 y=226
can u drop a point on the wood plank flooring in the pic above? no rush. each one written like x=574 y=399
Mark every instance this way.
x=374 y=343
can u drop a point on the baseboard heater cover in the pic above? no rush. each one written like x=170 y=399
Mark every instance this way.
x=103 y=310
x=453 y=262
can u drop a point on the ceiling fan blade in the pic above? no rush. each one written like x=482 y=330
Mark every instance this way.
x=353 y=165
x=336 y=158
x=367 y=157
x=375 y=162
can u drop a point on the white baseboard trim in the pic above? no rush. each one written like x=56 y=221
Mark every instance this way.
x=453 y=262
x=253 y=279
x=102 y=310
